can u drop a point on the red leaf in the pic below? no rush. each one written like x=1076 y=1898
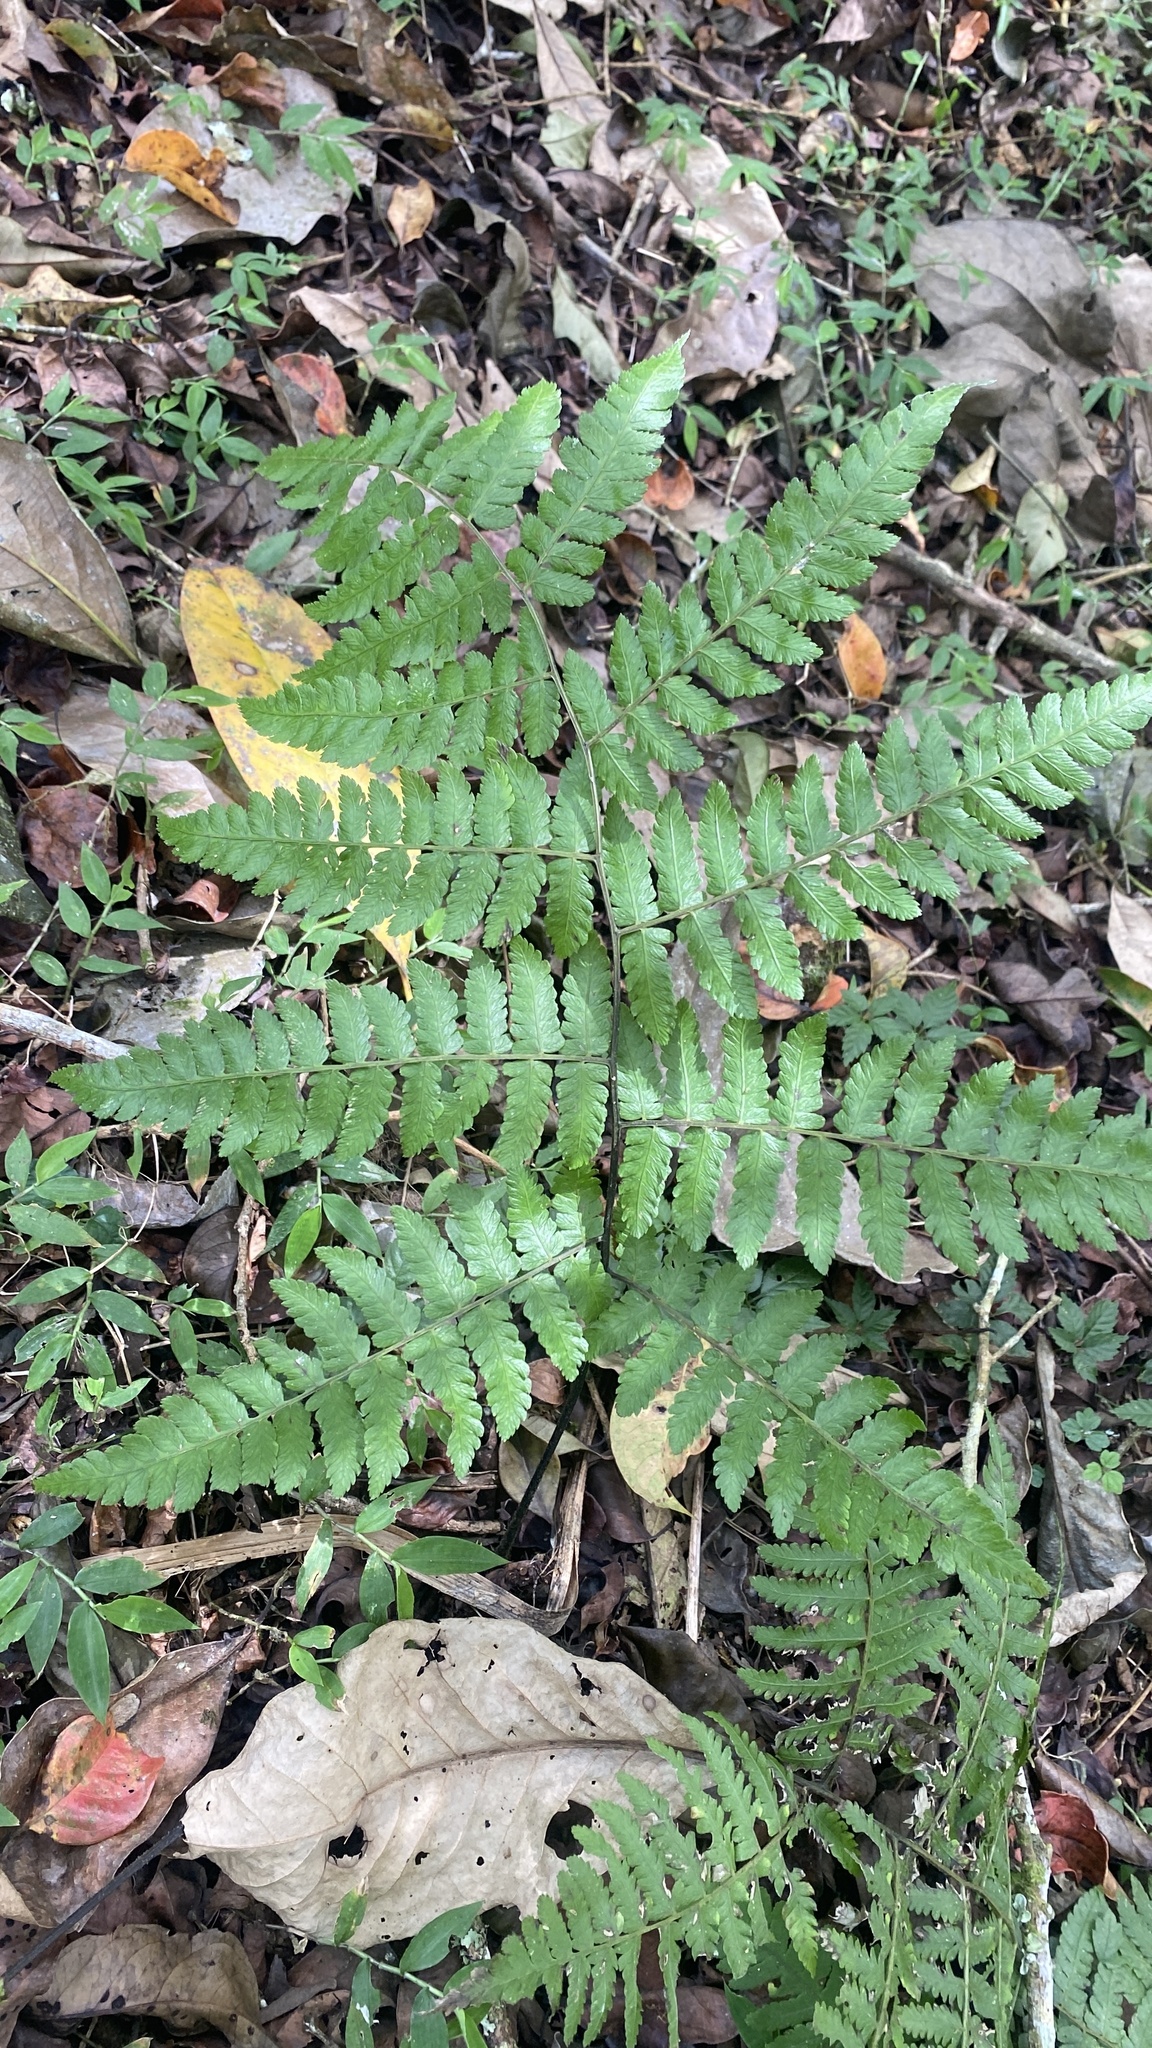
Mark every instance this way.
x=1073 y=1837
x=94 y=1784
x=315 y=375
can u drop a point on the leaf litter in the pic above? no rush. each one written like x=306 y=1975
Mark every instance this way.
x=745 y=237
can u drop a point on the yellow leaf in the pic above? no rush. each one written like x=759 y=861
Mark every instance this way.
x=410 y=210
x=167 y=153
x=644 y=1457
x=244 y=640
x=862 y=659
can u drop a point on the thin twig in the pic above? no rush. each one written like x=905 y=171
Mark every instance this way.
x=695 y=1533
x=1036 y=1918
x=1033 y=632
x=51 y=1030
x=971 y=1453
x=1035 y=1866
x=243 y=1286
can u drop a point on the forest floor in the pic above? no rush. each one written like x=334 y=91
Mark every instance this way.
x=228 y=230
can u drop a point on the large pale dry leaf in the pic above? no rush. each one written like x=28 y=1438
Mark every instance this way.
x=1130 y=936
x=168 y=154
x=245 y=640
x=690 y=179
x=452 y=1750
x=172 y=1712
x=191 y=1981
x=862 y=659
x=56 y=582
x=1084 y=1547
x=97 y=736
x=1024 y=276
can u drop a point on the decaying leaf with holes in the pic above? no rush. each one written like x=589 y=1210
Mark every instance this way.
x=434 y=1783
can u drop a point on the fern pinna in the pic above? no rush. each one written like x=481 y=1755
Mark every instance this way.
x=573 y=922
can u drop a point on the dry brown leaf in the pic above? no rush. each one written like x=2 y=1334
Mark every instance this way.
x=191 y=1981
x=56 y=582
x=453 y=1748
x=172 y=1712
x=413 y=101
x=314 y=401
x=862 y=659
x=1084 y=1547
x=167 y=153
x=977 y=474
x=968 y=35
x=410 y=211
x=253 y=82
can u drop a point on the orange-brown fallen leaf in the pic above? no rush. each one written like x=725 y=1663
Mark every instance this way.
x=253 y=82
x=862 y=659
x=316 y=377
x=166 y=153
x=831 y=993
x=968 y=35
x=93 y=1785
x=410 y=211
x=671 y=490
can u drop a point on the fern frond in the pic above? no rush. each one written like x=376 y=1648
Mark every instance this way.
x=699 y=1892
x=329 y=1402
x=1103 y=1971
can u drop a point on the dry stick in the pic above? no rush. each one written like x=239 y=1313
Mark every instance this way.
x=695 y=1533
x=979 y=1405
x=243 y=1287
x=54 y=1031
x=1035 y=1867
x=1034 y=633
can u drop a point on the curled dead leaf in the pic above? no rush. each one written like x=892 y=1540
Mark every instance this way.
x=173 y=1712
x=166 y=153
x=253 y=82
x=862 y=659
x=410 y=211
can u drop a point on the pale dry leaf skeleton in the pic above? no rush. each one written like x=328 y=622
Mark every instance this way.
x=452 y=1750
